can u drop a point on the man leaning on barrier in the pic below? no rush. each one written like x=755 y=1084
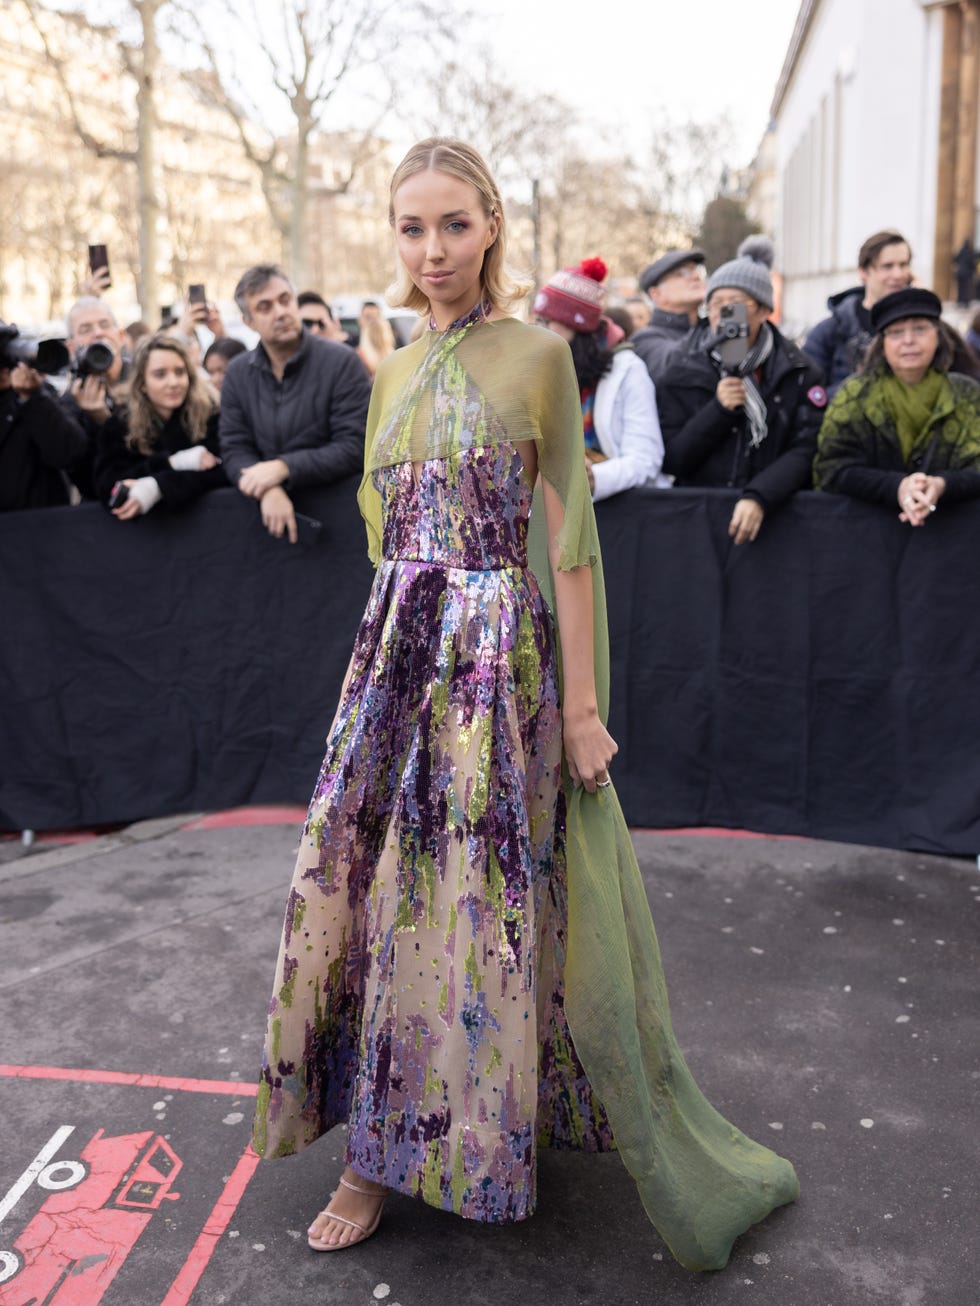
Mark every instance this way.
x=293 y=409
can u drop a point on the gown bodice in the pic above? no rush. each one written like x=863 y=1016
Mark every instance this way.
x=469 y=510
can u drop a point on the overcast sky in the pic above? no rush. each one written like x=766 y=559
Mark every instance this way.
x=622 y=62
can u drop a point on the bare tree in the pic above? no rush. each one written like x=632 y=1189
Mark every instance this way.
x=724 y=226
x=515 y=132
x=684 y=168
x=308 y=53
x=140 y=60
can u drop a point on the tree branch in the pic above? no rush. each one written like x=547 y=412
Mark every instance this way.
x=99 y=148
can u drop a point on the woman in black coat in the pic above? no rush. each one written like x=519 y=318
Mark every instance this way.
x=162 y=446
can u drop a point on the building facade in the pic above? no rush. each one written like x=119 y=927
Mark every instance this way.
x=875 y=125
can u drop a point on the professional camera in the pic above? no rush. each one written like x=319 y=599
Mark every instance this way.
x=47 y=356
x=94 y=359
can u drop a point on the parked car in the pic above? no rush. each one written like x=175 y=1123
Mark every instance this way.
x=347 y=309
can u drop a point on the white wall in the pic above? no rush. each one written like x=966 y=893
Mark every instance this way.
x=857 y=140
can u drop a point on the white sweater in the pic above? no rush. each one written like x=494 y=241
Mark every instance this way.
x=627 y=428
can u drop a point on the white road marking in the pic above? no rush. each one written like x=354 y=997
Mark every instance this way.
x=21 y=1185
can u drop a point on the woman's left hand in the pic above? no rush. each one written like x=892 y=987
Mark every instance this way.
x=589 y=748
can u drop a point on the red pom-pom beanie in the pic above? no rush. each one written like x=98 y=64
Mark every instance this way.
x=574 y=296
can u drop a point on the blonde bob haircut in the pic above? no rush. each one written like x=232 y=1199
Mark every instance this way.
x=501 y=286
x=143 y=421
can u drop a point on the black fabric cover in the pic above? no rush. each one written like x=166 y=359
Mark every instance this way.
x=822 y=681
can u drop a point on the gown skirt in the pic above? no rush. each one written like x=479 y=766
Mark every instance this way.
x=419 y=988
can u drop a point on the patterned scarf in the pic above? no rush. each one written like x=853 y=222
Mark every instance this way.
x=912 y=407
x=755 y=407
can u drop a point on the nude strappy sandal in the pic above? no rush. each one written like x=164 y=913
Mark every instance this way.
x=365 y=1231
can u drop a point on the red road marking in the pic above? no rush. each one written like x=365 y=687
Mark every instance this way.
x=249 y=816
x=714 y=832
x=215 y=1225
x=230 y=1087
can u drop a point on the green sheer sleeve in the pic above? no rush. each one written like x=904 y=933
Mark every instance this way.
x=702 y=1182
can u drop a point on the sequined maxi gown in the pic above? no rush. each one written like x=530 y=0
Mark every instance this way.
x=420 y=973
x=454 y=911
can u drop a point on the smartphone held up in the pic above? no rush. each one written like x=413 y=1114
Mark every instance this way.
x=98 y=259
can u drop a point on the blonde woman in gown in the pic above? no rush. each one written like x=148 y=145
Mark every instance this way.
x=468 y=968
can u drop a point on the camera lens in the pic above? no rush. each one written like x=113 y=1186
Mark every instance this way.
x=95 y=358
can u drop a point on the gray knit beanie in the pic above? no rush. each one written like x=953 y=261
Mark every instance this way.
x=748 y=271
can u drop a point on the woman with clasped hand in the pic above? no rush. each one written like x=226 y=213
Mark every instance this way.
x=162 y=445
x=468 y=969
x=906 y=429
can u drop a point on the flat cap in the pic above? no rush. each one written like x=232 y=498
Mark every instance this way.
x=666 y=263
x=912 y=301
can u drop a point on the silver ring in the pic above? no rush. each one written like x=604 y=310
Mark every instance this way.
x=603 y=784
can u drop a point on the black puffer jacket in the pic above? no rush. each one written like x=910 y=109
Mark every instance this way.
x=838 y=343
x=708 y=444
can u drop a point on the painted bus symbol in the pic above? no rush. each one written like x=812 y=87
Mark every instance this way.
x=75 y=1245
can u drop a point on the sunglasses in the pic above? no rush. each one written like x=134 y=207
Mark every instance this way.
x=315 y=323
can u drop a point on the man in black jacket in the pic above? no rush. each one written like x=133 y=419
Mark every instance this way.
x=838 y=343
x=39 y=442
x=752 y=426
x=294 y=408
x=675 y=284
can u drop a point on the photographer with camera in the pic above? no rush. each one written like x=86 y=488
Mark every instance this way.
x=96 y=344
x=162 y=444
x=742 y=407
x=39 y=442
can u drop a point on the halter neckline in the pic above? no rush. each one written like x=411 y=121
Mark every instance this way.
x=479 y=311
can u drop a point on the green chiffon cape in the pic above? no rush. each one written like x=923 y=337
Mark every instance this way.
x=702 y=1182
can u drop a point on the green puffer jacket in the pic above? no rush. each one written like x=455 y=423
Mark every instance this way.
x=858 y=450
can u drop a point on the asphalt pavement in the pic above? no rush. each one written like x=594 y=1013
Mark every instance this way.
x=825 y=996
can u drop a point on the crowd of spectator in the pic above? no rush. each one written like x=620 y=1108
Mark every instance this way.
x=687 y=382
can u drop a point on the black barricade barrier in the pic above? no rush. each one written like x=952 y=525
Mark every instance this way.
x=823 y=681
